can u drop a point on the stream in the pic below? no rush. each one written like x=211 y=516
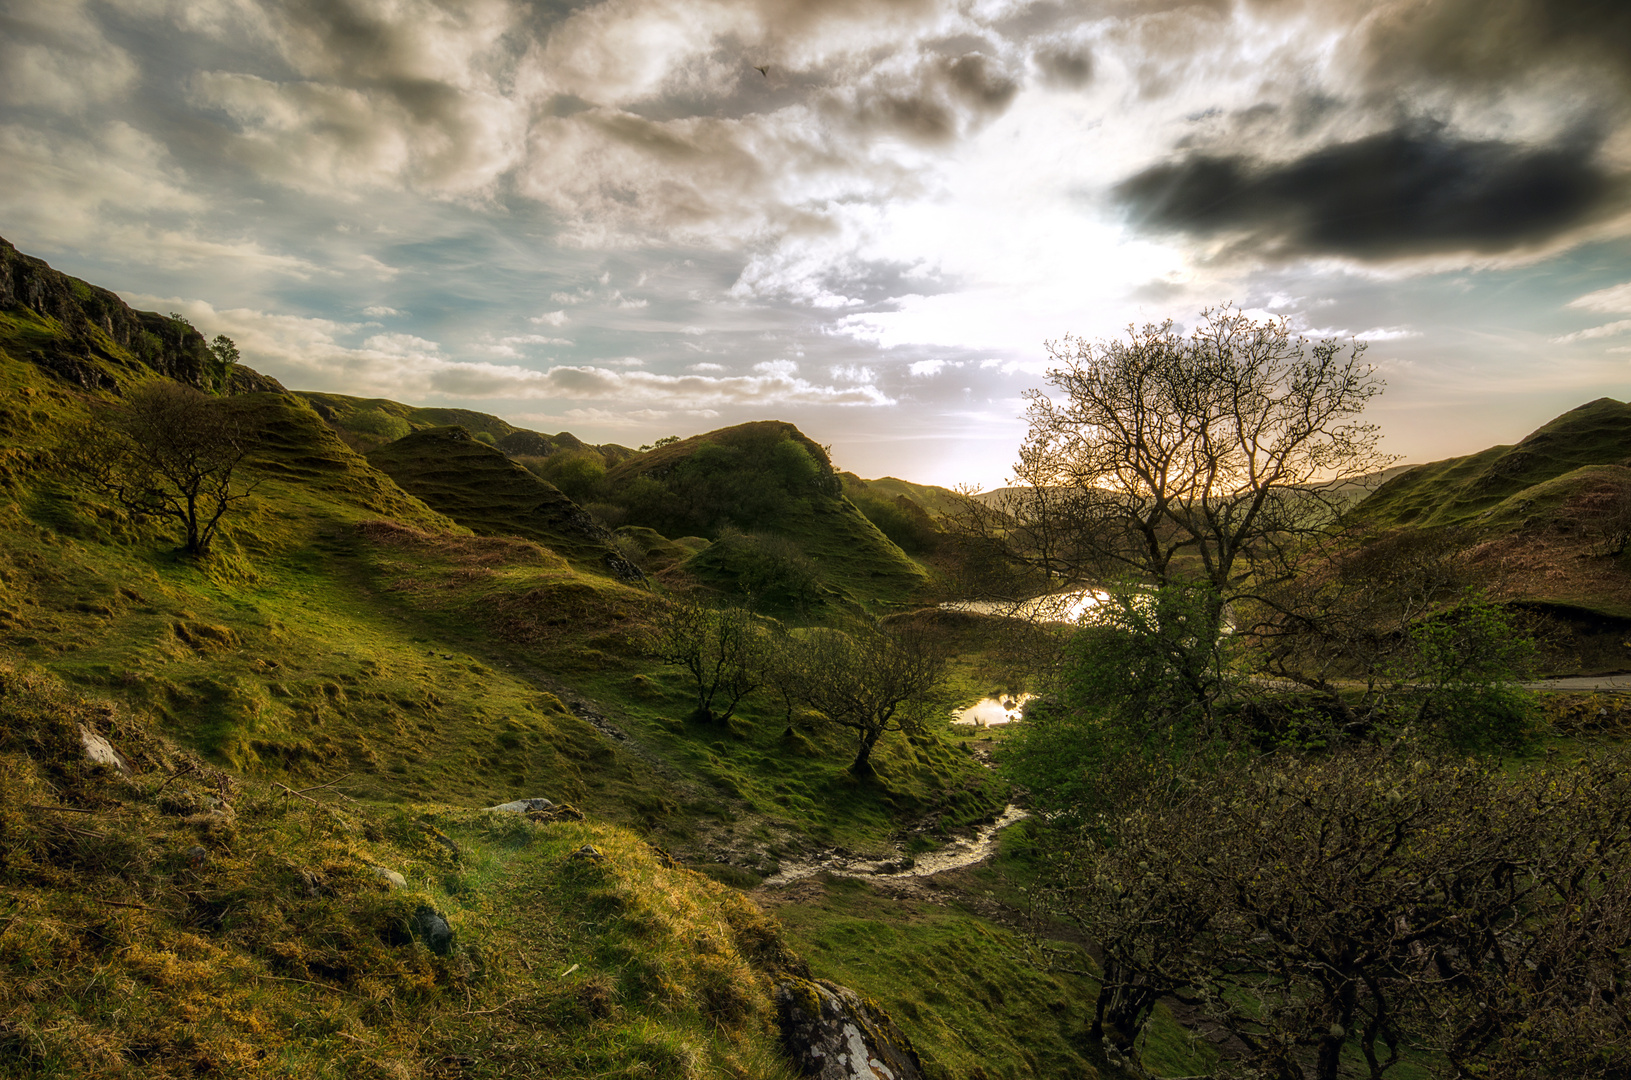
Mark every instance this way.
x=961 y=851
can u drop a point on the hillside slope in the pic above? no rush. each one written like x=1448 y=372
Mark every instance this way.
x=765 y=477
x=1546 y=525
x=371 y=422
x=1542 y=473
x=479 y=487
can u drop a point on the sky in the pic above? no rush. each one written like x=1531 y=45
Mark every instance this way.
x=636 y=218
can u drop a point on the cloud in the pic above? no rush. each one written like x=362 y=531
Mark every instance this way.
x=921 y=369
x=1064 y=64
x=549 y=318
x=54 y=55
x=1612 y=299
x=706 y=367
x=379 y=311
x=1623 y=326
x=1412 y=191
x=587 y=383
x=1493 y=41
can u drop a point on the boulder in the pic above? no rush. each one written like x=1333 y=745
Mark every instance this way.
x=522 y=806
x=101 y=752
x=832 y=1033
x=432 y=929
x=391 y=877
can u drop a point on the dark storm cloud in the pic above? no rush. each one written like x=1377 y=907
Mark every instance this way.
x=1412 y=191
x=1494 y=40
x=942 y=99
x=1068 y=66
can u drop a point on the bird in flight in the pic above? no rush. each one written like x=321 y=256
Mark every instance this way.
x=765 y=71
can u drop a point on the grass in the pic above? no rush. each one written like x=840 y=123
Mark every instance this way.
x=182 y=922
x=972 y=996
x=1462 y=490
x=481 y=488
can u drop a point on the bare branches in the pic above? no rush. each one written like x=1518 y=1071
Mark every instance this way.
x=169 y=452
x=1166 y=455
x=1373 y=903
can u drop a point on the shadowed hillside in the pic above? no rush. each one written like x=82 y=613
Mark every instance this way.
x=480 y=487
x=764 y=479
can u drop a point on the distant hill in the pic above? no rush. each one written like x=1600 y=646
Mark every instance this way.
x=1540 y=474
x=87 y=336
x=765 y=477
x=1549 y=521
x=936 y=500
x=371 y=422
x=483 y=490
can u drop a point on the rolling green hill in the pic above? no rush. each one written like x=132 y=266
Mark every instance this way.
x=345 y=682
x=371 y=422
x=768 y=478
x=481 y=488
x=1541 y=474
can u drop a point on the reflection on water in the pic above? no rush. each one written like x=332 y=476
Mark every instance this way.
x=990 y=711
x=1061 y=607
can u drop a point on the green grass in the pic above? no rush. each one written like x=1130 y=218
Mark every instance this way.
x=1462 y=490
x=972 y=996
x=194 y=924
x=481 y=488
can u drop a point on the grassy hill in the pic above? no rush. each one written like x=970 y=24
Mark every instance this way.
x=1543 y=474
x=765 y=478
x=366 y=423
x=353 y=674
x=1545 y=523
x=481 y=488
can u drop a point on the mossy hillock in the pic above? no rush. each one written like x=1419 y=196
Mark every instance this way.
x=1548 y=520
x=770 y=481
x=1491 y=484
x=370 y=422
x=481 y=488
x=175 y=920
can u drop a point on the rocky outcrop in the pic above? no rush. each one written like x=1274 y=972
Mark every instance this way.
x=243 y=380
x=90 y=319
x=832 y=1033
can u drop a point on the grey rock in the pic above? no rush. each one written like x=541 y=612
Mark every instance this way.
x=832 y=1033
x=588 y=852
x=522 y=806
x=391 y=877
x=432 y=929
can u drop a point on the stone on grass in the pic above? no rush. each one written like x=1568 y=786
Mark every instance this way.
x=522 y=806
x=432 y=929
x=101 y=752
x=832 y=1033
x=391 y=877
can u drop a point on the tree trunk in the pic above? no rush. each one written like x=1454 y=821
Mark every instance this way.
x=862 y=765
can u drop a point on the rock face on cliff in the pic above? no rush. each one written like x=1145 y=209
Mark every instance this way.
x=83 y=334
x=832 y=1033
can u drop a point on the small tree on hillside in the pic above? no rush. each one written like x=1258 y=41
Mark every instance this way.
x=871 y=683
x=169 y=452
x=720 y=648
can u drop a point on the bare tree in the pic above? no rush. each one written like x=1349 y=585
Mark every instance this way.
x=1371 y=904
x=720 y=647
x=170 y=452
x=1168 y=459
x=871 y=682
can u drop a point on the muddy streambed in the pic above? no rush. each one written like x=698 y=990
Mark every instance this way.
x=961 y=852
